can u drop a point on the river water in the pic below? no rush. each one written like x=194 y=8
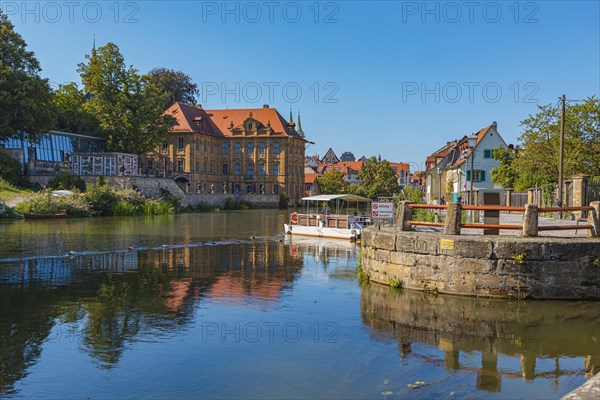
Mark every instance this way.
x=220 y=305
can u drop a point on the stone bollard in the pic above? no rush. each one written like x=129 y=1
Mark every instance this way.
x=594 y=219
x=508 y=199
x=530 y=221
x=405 y=213
x=453 y=214
x=530 y=196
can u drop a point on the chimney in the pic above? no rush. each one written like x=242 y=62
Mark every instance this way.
x=265 y=106
x=495 y=124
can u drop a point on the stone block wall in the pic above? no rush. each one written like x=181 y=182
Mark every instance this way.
x=510 y=267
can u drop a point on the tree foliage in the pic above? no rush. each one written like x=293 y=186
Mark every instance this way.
x=71 y=115
x=504 y=174
x=25 y=96
x=332 y=182
x=378 y=178
x=177 y=85
x=537 y=162
x=127 y=105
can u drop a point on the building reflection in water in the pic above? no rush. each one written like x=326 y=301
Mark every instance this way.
x=103 y=301
x=458 y=326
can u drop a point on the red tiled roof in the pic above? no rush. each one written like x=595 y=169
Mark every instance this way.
x=223 y=119
x=218 y=122
x=310 y=178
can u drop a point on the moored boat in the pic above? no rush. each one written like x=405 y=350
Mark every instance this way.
x=46 y=216
x=324 y=223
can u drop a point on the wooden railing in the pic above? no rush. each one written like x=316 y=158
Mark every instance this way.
x=529 y=227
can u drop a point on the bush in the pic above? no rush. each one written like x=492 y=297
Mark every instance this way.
x=45 y=203
x=64 y=181
x=168 y=197
x=233 y=204
x=130 y=195
x=283 y=201
x=157 y=207
x=100 y=198
x=11 y=170
x=122 y=208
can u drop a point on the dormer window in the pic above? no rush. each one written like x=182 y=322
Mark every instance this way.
x=199 y=123
x=250 y=126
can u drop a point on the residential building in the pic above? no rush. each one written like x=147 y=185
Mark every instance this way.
x=330 y=158
x=463 y=165
x=402 y=171
x=231 y=151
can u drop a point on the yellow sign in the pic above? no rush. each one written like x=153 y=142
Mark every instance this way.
x=446 y=244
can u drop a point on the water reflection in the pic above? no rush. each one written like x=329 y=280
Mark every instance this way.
x=510 y=337
x=105 y=301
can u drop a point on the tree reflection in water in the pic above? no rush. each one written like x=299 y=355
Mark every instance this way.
x=106 y=301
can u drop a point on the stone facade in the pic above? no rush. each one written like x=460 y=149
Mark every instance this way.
x=511 y=267
x=240 y=152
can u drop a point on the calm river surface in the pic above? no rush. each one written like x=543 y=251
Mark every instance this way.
x=216 y=305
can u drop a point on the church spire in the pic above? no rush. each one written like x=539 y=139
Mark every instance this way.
x=291 y=116
x=299 y=123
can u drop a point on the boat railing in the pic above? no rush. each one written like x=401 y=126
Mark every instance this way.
x=338 y=221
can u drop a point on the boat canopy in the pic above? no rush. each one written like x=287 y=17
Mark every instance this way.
x=329 y=197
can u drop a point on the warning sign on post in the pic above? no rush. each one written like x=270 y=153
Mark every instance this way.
x=382 y=210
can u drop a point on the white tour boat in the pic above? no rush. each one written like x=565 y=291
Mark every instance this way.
x=321 y=222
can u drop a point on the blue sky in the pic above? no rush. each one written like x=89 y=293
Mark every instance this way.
x=392 y=78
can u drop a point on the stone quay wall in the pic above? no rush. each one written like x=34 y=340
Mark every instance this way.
x=150 y=187
x=488 y=266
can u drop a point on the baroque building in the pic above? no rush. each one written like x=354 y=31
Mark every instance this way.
x=237 y=151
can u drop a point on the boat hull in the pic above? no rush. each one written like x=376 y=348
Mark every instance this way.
x=45 y=216
x=337 y=233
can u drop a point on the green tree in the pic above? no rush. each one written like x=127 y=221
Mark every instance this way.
x=332 y=182
x=537 y=162
x=177 y=85
x=71 y=116
x=378 y=178
x=504 y=174
x=25 y=97
x=127 y=105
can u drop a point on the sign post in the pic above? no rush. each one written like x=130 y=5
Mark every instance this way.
x=382 y=210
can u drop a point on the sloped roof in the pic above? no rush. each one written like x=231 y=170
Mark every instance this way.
x=310 y=178
x=218 y=122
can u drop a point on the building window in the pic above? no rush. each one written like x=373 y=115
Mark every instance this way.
x=205 y=146
x=238 y=148
x=212 y=150
x=488 y=153
x=210 y=168
x=250 y=147
x=478 y=175
x=275 y=189
x=224 y=169
x=276 y=147
x=205 y=169
x=225 y=147
x=250 y=172
x=180 y=143
x=165 y=145
x=149 y=166
x=179 y=165
x=238 y=169
x=261 y=169
x=261 y=188
x=261 y=148
x=237 y=188
x=197 y=145
x=197 y=167
x=276 y=169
